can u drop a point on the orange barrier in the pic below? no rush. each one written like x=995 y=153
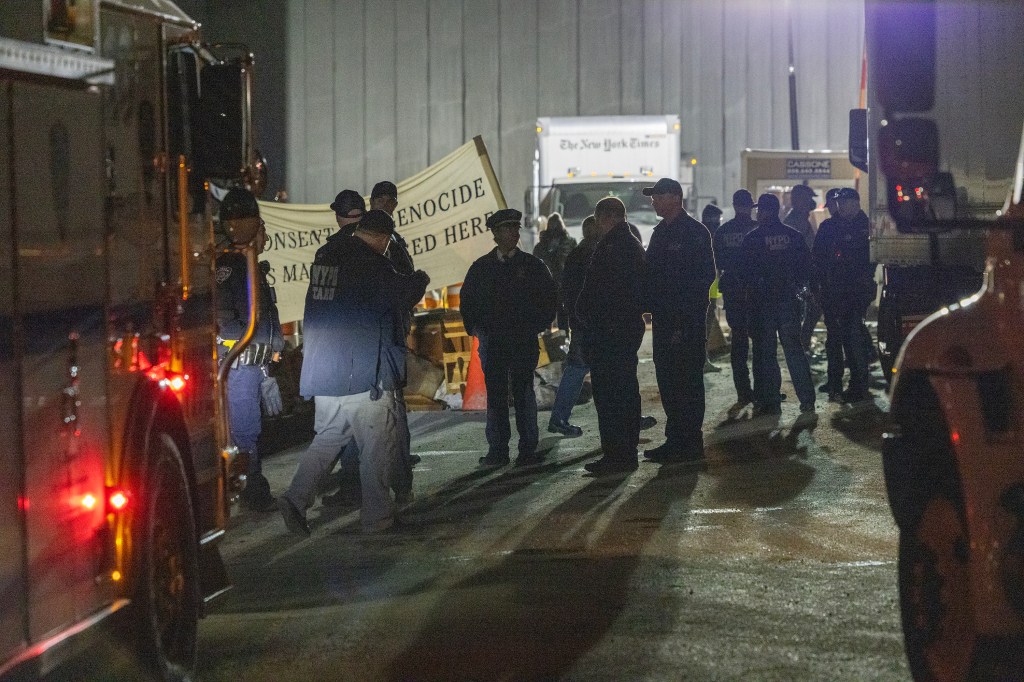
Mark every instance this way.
x=475 y=397
x=454 y=296
x=432 y=299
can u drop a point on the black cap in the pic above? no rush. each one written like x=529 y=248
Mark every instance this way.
x=238 y=203
x=384 y=188
x=378 y=222
x=710 y=211
x=847 y=193
x=832 y=194
x=347 y=200
x=803 y=189
x=742 y=197
x=664 y=186
x=768 y=202
x=505 y=215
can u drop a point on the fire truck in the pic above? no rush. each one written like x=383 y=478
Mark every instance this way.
x=947 y=136
x=115 y=448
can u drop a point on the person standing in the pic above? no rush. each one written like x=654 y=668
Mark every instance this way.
x=507 y=299
x=250 y=369
x=843 y=259
x=777 y=266
x=803 y=202
x=611 y=327
x=354 y=368
x=680 y=270
x=553 y=247
x=711 y=217
x=728 y=245
x=348 y=208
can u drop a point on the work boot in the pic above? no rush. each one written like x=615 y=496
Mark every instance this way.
x=647 y=421
x=529 y=459
x=565 y=428
x=256 y=496
x=494 y=459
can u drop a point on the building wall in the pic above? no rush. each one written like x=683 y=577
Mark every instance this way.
x=378 y=89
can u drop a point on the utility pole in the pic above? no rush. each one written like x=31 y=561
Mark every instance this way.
x=794 y=129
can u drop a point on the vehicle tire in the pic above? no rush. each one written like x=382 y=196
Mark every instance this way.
x=166 y=598
x=935 y=599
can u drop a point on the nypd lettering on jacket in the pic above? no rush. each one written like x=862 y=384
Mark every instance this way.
x=323 y=282
x=777 y=242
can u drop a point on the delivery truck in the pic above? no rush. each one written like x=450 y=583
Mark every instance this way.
x=580 y=160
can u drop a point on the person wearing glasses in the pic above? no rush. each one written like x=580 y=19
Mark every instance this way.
x=508 y=298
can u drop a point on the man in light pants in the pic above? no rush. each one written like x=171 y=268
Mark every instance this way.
x=354 y=367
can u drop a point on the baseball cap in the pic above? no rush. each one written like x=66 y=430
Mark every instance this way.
x=664 y=186
x=346 y=201
x=803 y=190
x=742 y=197
x=768 y=202
x=832 y=194
x=378 y=222
x=847 y=193
x=238 y=203
x=384 y=188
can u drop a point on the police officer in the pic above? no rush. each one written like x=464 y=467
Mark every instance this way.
x=348 y=208
x=384 y=197
x=354 y=368
x=611 y=327
x=250 y=370
x=508 y=298
x=680 y=270
x=777 y=266
x=728 y=244
x=843 y=262
x=803 y=202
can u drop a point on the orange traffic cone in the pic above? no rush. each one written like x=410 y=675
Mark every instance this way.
x=475 y=397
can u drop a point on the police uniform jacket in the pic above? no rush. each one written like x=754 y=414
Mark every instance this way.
x=728 y=243
x=777 y=264
x=842 y=261
x=574 y=274
x=352 y=321
x=233 y=303
x=398 y=254
x=680 y=269
x=610 y=307
x=514 y=299
x=801 y=222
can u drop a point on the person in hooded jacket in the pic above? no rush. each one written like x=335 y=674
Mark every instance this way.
x=251 y=367
x=553 y=247
x=354 y=367
x=776 y=267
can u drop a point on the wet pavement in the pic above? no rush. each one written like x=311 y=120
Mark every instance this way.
x=774 y=561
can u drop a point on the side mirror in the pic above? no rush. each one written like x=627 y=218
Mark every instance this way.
x=858 y=140
x=221 y=149
x=903 y=58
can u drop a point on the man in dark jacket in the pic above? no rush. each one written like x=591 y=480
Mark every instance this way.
x=354 y=367
x=250 y=368
x=728 y=243
x=611 y=327
x=777 y=266
x=803 y=200
x=348 y=208
x=508 y=298
x=843 y=262
x=680 y=270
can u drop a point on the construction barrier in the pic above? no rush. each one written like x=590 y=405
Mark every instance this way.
x=475 y=397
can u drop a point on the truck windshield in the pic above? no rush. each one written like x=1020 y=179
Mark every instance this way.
x=577 y=201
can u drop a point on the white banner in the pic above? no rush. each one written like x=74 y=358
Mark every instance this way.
x=441 y=215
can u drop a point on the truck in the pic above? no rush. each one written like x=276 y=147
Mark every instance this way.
x=580 y=160
x=116 y=451
x=947 y=137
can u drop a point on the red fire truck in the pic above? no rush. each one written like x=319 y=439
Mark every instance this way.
x=115 y=450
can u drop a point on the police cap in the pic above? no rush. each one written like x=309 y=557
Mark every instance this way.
x=505 y=215
x=848 y=193
x=768 y=202
x=378 y=222
x=664 y=186
x=347 y=201
x=238 y=203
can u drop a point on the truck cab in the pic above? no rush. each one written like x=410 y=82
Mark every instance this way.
x=948 y=140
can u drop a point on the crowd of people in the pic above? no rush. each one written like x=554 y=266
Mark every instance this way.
x=776 y=279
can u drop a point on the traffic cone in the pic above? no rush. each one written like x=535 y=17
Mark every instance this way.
x=475 y=397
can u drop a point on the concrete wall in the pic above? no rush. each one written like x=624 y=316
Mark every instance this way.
x=380 y=88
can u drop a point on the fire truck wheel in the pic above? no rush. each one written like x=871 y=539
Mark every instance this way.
x=167 y=592
x=935 y=601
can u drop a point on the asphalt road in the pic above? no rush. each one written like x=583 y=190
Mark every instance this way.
x=774 y=561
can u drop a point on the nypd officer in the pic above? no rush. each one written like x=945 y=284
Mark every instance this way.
x=508 y=298
x=843 y=261
x=777 y=266
x=680 y=270
x=348 y=208
x=245 y=377
x=728 y=243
